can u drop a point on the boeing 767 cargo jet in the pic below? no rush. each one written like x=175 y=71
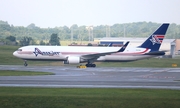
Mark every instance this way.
x=82 y=54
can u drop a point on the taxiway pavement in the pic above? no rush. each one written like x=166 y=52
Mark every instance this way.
x=99 y=77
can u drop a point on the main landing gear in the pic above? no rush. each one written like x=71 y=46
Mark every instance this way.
x=90 y=65
x=25 y=63
x=87 y=65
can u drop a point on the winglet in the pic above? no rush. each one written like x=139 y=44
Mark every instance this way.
x=123 y=47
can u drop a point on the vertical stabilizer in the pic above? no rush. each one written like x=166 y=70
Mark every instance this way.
x=154 y=41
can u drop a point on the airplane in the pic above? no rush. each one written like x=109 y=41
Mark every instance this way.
x=60 y=53
x=85 y=54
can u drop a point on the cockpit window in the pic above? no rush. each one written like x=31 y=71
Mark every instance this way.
x=19 y=50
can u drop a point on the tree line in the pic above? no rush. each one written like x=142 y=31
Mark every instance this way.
x=11 y=40
x=82 y=33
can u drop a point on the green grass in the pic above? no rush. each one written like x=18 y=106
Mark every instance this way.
x=22 y=73
x=6 y=55
x=11 y=97
x=7 y=58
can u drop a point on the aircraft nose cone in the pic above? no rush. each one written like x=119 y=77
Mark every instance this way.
x=15 y=53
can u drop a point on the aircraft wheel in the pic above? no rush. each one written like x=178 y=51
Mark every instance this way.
x=25 y=64
x=90 y=65
x=93 y=65
x=87 y=65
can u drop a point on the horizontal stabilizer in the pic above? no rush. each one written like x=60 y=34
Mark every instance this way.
x=156 y=53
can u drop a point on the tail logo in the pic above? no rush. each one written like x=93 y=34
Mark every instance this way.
x=51 y=53
x=157 y=39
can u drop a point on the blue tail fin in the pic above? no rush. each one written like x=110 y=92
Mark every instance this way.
x=154 y=41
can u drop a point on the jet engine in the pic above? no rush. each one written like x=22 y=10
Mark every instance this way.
x=72 y=60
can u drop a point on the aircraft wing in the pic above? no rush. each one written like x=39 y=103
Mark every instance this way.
x=97 y=55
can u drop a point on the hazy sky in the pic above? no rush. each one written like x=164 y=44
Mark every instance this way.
x=55 y=13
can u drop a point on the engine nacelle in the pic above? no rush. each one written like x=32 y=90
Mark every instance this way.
x=72 y=60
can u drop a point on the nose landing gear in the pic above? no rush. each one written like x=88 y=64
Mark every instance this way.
x=25 y=63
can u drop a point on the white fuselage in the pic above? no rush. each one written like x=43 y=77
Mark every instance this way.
x=60 y=53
